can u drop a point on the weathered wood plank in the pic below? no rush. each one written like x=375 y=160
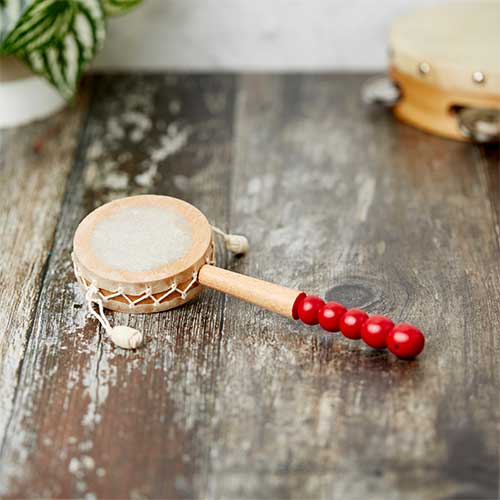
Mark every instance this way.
x=357 y=207
x=228 y=401
x=34 y=164
x=90 y=419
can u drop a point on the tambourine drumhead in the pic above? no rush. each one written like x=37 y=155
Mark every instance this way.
x=143 y=246
x=450 y=45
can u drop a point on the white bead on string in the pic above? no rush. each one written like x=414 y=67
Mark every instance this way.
x=125 y=337
x=235 y=243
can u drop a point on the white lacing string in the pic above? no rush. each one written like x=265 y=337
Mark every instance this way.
x=96 y=296
x=92 y=297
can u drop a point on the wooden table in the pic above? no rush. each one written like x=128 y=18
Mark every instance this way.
x=226 y=401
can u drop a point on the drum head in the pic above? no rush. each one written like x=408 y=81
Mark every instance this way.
x=454 y=46
x=142 y=242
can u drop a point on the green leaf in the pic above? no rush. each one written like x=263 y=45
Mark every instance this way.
x=116 y=7
x=57 y=38
x=10 y=12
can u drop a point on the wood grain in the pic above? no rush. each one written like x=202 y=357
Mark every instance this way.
x=35 y=162
x=227 y=400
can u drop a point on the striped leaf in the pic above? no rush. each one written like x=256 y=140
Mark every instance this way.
x=10 y=12
x=116 y=7
x=57 y=38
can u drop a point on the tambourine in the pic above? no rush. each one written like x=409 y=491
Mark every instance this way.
x=444 y=71
x=150 y=253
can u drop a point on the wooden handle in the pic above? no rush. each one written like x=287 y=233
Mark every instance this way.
x=275 y=298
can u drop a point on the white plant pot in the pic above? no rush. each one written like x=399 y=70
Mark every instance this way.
x=24 y=97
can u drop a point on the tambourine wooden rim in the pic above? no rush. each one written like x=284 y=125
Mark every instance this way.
x=433 y=109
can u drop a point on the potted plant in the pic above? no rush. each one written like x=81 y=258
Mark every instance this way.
x=44 y=47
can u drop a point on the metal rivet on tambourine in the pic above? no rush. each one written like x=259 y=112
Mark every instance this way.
x=424 y=68
x=478 y=77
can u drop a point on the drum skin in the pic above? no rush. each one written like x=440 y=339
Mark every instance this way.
x=445 y=58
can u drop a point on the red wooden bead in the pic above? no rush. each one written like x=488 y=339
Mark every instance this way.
x=329 y=316
x=295 y=308
x=308 y=309
x=375 y=330
x=351 y=323
x=405 y=341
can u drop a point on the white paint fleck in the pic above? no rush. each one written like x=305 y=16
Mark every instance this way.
x=74 y=466
x=115 y=129
x=116 y=180
x=325 y=417
x=136 y=135
x=366 y=194
x=254 y=186
x=87 y=462
x=95 y=150
x=170 y=143
x=99 y=377
x=81 y=486
x=90 y=175
x=140 y=122
x=381 y=247
x=86 y=445
x=147 y=177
